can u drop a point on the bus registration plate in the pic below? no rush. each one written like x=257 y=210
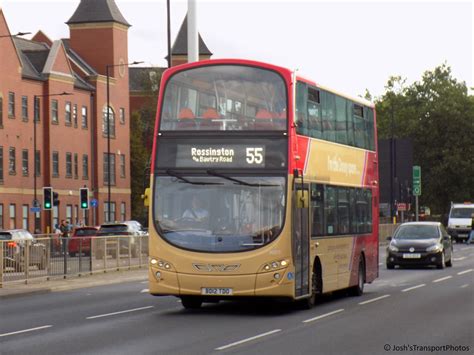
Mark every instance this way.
x=216 y=291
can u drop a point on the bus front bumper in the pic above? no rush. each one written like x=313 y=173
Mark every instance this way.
x=262 y=284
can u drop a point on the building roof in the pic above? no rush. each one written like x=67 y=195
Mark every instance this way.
x=90 y=11
x=140 y=77
x=180 y=46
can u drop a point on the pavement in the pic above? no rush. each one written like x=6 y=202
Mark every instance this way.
x=14 y=289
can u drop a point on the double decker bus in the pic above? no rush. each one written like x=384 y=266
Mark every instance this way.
x=263 y=184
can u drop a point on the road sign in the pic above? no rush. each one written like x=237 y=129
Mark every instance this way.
x=416 y=180
x=93 y=202
x=401 y=206
x=35 y=209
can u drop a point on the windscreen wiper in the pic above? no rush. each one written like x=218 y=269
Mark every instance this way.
x=179 y=177
x=237 y=181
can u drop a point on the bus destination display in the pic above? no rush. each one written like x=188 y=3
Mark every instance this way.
x=220 y=156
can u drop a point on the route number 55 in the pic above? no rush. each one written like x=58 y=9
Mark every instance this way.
x=254 y=155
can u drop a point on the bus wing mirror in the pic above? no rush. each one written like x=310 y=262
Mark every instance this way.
x=146 y=197
x=302 y=198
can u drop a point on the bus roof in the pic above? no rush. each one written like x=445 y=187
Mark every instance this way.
x=270 y=66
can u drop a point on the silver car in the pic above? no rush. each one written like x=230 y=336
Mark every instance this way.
x=15 y=244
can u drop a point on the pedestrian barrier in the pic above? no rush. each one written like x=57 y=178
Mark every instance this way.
x=51 y=256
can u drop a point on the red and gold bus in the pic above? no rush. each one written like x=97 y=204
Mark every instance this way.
x=263 y=184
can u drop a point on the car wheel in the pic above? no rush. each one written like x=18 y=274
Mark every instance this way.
x=191 y=302
x=442 y=262
x=359 y=289
x=390 y=266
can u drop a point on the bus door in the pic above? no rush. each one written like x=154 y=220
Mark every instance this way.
x=301 y=238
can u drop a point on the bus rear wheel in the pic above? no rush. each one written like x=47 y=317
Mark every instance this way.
x=358 y=290
x=191 y=302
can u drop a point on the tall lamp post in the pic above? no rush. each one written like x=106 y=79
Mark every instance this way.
x=109 y=195
x=35 y=119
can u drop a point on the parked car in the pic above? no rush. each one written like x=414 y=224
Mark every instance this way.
x=131 y=229
x=420 y=243
x=15 y=243
x=80 y=241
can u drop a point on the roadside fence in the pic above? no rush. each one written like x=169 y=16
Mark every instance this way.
x=51 y=256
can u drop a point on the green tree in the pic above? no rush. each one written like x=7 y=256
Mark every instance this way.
x=141 y=140
x=438 y=115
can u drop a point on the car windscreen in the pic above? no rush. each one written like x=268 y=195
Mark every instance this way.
x=85 y=232
x=118 y=229
x=463 y=212
x=417 y=232
x=5 y=236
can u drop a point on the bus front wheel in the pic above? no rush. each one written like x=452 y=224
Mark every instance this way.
x=190 y=302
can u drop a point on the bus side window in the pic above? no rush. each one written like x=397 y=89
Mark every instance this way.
x=317 y=207
x=314 y=114
x=330 y=210
x=301 y=112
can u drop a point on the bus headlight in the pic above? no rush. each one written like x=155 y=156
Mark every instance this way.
x=274 y=265
x=161 y=264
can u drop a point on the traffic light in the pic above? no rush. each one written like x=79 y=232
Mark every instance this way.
x=84 y=198
x=47 y=198
x=55 y=199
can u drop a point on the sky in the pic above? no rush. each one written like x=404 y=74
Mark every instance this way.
x=349 y=45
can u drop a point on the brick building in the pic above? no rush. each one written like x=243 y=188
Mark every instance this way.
x=71 y=130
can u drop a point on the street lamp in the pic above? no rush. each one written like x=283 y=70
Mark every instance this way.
x=109 y=195
x=35 y=119
x=16 y=34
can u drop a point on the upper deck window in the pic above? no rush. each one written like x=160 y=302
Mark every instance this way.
x=225 y=97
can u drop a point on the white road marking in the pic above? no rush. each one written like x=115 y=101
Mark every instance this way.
x=464 y=286
x=374 y=299
x=323 y=315
x=120 y=312
x=464 y=272
x=380 y=264
x=144 y=282
x=248 y=339
x=458 y=259
x=442 y=279
x=145 y=290
x=26 y=330
x=413 y=288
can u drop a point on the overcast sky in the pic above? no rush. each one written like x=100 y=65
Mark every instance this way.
x=346 y=45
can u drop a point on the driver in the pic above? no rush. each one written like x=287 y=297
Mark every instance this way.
x=196 y=211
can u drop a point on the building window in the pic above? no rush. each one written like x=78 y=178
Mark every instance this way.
x=68 y=165
x=12 y=216
x=56 y=217
x=1 y=216
x=112 y=169
x=12 y=161
x=111 y=124
x=123 y=212
x=1 y=112
x=1 y=164
x=67 y=113
x=36 y=109
x=11 y=105
x=24 y=162
x=122 y=115
x=55 y=164
x=24 y=108
x=69 y=214
x=122 y=165
x=106 y=212
x=76 y=215
x=85 y=166
x=84 y=117
x=74 y=115
x=76 y=167
x=54 y=111
x=24 y=219
x=38 y=163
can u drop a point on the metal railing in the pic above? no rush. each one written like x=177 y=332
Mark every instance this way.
x=51 y=256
